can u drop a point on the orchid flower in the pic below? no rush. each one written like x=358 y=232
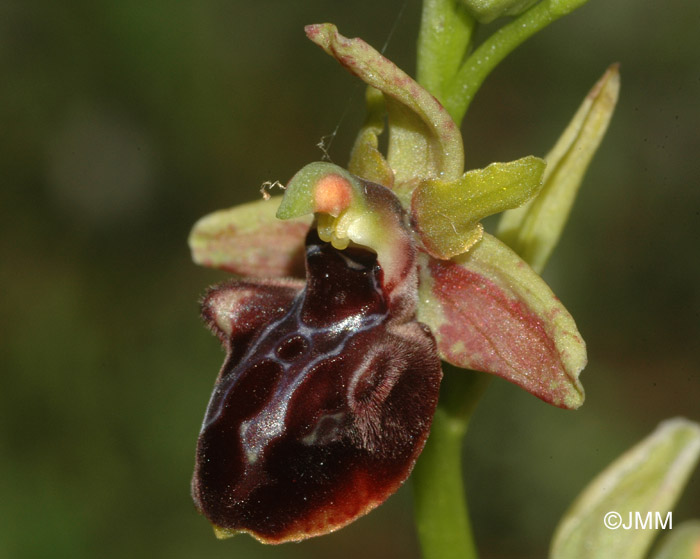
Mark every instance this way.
x=330 y=382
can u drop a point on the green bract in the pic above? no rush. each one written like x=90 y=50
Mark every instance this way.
x=648 y=478
x=533 y=229
x=682 y=543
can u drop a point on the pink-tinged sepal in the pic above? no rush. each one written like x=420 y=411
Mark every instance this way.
x=326 y=411
x=248 y=240
x=489 y=311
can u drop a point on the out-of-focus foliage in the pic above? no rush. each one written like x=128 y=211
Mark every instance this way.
x=647 y=480
x=124 y=121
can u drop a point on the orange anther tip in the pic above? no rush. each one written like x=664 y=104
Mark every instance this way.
x=332 y=194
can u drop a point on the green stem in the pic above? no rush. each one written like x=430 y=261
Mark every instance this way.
x=442 y=516
x=445 y=35
x=458 y=95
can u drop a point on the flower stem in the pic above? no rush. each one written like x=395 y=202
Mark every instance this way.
x=442 y=517
x=458 y=95
x=445 y=36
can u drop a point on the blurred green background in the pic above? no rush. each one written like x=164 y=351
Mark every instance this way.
x=124 y=121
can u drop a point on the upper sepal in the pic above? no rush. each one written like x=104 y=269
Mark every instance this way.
x=424 y=141
x=489 y=311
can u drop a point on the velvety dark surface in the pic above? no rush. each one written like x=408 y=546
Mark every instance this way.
x=319 y=414
x=123 y=122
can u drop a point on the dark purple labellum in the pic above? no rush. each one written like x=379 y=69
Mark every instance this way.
x=323 y=403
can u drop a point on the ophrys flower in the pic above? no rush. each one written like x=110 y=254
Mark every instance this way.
x=325 y=398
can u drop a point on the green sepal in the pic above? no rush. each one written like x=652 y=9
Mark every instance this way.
x=249 y=240
x=490 y=312
x=533 y=230
x=424 y=141
x=447 y=214
x=647 y=478
x=366 y=161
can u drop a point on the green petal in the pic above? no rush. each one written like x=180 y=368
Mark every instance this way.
x=447 y=214
x=489 y=311
x=683 y=542
x=647 y=478
x=424 y=142
x=533 y=230
x=366 y=161
x=250 y=241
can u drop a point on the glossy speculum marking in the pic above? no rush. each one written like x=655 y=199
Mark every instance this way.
x=323 y=403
